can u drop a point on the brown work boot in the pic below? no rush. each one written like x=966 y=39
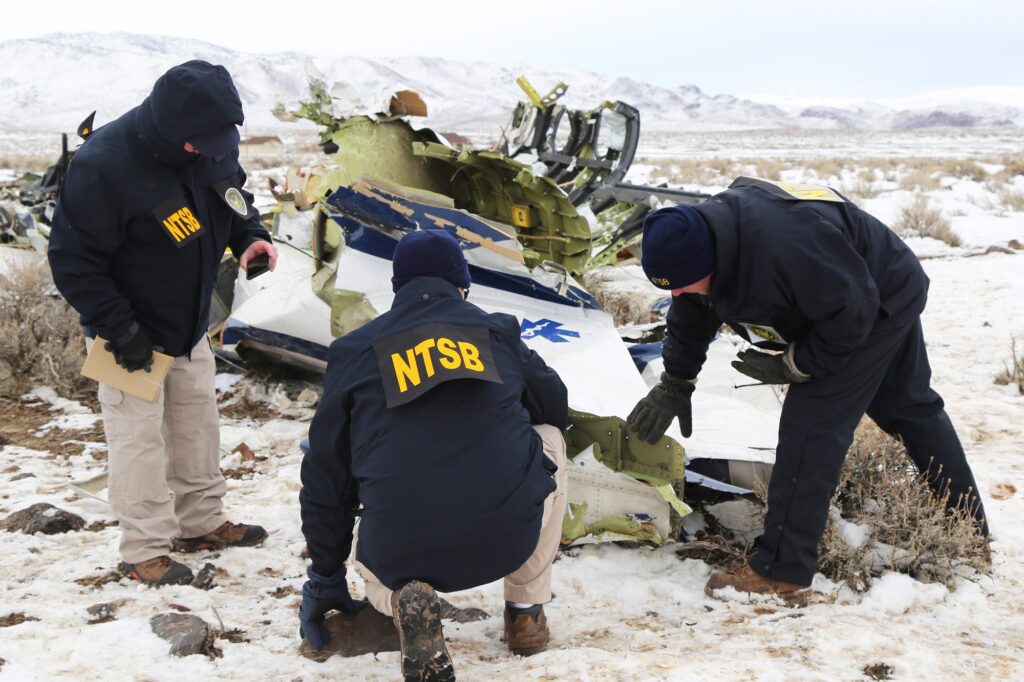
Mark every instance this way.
x=158 y=571
x=416 y=611
x=745 y=579
x=526 y=630
x=226 y=535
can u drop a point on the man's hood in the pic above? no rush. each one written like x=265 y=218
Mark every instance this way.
x=190 y=99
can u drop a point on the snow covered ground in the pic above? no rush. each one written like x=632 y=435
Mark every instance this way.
x=619 y=614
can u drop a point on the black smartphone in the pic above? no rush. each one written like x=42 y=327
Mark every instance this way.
x=258 y=264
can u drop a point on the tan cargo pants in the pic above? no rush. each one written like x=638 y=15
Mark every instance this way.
x=169 y=445
x=531 y=582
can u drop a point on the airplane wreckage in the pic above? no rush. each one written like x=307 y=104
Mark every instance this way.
x=547 y=204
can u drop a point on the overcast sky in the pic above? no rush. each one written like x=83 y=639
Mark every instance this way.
x=837 y=48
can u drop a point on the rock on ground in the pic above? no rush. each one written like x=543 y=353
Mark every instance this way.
x=42 y=518
x=187 y=634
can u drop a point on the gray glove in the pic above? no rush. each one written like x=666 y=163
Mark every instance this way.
x=653 y=414
x=769 y=368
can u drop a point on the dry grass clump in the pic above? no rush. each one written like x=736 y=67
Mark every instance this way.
x=918 y=218
x=1012 y=199
x=825 y=168
x=24 y=163
x=909 y=528
x=919 y=180
x=959 y=168
x=1012 y=166
x=41 y=340
x=1013 y=373
x=861 y=189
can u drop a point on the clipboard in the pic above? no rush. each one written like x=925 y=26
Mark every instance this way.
x=101 y=366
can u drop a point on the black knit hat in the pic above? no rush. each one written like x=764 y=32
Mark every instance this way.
x=678 y=248
x=429 y=253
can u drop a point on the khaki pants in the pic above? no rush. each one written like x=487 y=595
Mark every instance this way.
x=531 y=582
x=169 y=445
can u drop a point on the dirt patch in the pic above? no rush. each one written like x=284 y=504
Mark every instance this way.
x=15 y=619
x=98 y=581
x=284 y=591
x=878 y=671
x=97 y=526
x=20 y=422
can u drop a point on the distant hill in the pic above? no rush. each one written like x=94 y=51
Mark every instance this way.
x=52 y=82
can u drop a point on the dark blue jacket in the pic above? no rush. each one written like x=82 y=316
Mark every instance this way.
x=452 y=483
x=141 y=224
x=820 y=274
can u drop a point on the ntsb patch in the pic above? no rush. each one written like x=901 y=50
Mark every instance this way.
x=762 y=333
x=414 y=361
x=178 y=221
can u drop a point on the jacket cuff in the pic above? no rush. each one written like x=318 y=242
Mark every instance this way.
x=336 y=580
x=789 y=360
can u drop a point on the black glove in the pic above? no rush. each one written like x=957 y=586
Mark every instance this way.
x=134 y=350
x=653 y=414
x=768 y=368
x=320 y=595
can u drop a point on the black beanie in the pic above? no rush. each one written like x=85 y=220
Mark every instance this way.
x=429 y=253
x=678 y=248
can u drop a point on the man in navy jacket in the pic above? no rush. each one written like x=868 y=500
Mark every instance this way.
x=801 y=271
x=148 y=206
x=445 y=429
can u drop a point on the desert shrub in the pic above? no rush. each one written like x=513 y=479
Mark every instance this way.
x=918 y=218
x=919 y=180
x=901 y=524
x=40 y=340
x=769 y=169
x=1012 y=166
x=23 y=163
x=959 y=168
x=1012 y=199
x=825 y=167
x=861 y=189
x=1013 y=372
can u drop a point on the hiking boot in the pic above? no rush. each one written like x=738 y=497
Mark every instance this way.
x=417 y=615
x=526 y=630
x=226 y=535
x=745 y=579
x=158 y=571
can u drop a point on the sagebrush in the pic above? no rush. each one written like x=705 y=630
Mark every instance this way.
x=908 y=526
x=919 y=218
x=41 y=341
x=899 y=523
x=1013 y=371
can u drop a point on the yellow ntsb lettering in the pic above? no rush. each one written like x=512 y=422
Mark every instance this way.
x=450 y=356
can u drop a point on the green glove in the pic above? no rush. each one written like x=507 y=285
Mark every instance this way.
x=769 y=368
x=666 y=401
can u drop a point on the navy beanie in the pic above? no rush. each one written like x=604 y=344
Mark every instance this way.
x=429 y=253
x=678 y=248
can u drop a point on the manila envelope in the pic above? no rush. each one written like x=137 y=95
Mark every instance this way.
x=101 y=366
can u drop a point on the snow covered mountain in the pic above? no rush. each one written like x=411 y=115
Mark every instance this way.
x=52 y=82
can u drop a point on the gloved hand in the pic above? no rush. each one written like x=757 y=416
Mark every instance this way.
x=769 y=368
x=320 y=595
x=653 y=414
x=134 y=350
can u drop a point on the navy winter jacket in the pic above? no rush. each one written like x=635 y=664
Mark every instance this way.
x=452 y=480
x=141 y=224
x=820 y=274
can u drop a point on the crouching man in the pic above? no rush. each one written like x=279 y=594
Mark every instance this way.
x=444 y=427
